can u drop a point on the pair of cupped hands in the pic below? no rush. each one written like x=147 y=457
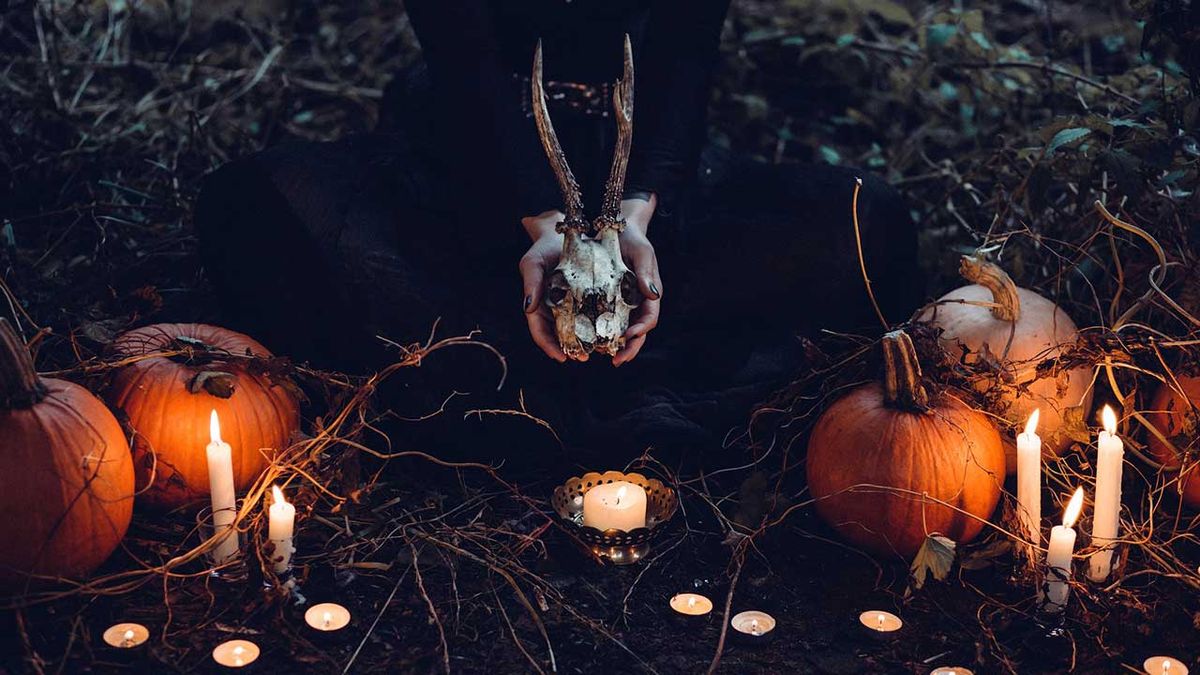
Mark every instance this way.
x=544 y=254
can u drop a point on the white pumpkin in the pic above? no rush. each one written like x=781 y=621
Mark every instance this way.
x=1015 y=329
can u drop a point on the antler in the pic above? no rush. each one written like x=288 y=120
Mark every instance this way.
x=572 y=195
x=614 y=189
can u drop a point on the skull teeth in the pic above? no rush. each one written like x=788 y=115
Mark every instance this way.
x=585 y=330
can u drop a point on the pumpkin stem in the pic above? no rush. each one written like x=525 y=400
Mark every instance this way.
x=902 y=386
x=989 y=275
x=20 y=386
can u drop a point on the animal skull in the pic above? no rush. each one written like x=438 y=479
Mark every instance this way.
x=591 y=293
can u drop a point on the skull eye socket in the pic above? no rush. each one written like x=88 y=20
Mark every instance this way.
x=630 y=293
x=557 y=289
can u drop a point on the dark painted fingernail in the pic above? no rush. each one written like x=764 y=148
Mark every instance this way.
x=654 y=290
x=528 y=302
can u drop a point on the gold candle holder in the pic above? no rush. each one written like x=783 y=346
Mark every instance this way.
x=617 y=546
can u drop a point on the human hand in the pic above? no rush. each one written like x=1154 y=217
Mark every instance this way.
x=540 y=260
x=639 y=256
x=638 y=253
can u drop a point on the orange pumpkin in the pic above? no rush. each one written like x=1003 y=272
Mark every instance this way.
x=68 y=477
x=1175 y=416
x=185 y=372
x=1019 y=329
x=876 y=454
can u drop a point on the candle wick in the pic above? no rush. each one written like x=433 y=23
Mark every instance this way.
x=880 y=617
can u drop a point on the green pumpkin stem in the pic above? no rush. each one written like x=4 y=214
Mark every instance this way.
x=20 y=386
x=902 y=386
x=989 y=275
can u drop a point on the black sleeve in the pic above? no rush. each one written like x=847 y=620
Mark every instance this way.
x=671 y=80
x=459 y=43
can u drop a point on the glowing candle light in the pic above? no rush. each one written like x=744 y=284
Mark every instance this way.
x=619 y=505
x=880 y=621
x=280 y=529
x=1058 y=558
x=752 y=626
x=1029 y=481
x=327 y=617
x=235 y=653
x=126 y=635
x=1107 y=517
x=1164 y=665
x=221 y=488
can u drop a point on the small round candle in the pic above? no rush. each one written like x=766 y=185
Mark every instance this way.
x=327 y=616
x=126 y=635
x=235 y=653
x=951 y=670
x=691 y=604
x=753 y=623
x=1164 y=665
x=880 y=621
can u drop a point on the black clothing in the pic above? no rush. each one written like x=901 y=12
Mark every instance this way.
x=317 y=248
x=478 y=51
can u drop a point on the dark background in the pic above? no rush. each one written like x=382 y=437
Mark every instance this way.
x=1002 y=122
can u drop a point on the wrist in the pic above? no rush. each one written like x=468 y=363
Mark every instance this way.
x=638 y=212
x=542 y=225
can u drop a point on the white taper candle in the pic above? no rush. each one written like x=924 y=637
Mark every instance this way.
x=1029 y=481
x=280 y=529
x=1110 y=457
x=1058 y=557
x=221 y=489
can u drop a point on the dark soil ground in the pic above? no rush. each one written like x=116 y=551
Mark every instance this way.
x=108 y=118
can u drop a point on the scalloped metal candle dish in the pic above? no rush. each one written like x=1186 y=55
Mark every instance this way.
x=618 y=547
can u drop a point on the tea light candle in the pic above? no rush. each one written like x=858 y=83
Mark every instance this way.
x=221 y=489
x=1164 y=665
x=691 y=604
x=1105 y=521
x=280 y=529
x=126 y=635
x=951 y=670
x=1058 y=558
x=752 y=627
x=880 y=621
x=1029 y=481
x=235 y=653
x=619 y=505
x=327 y=617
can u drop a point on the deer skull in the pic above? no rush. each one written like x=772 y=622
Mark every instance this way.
x=591 y=293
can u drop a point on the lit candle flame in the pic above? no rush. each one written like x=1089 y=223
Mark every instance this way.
x=620 y=494
x=879 y=617
x=1166 y=666
x=754 y=626
x=1031 y=425
x=1109 y=418
x=1073 y=508
x=277 y=495
x=692 y=602
x=128 y=636
x=214 y=427
x=327 y=617
x=237 y=655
